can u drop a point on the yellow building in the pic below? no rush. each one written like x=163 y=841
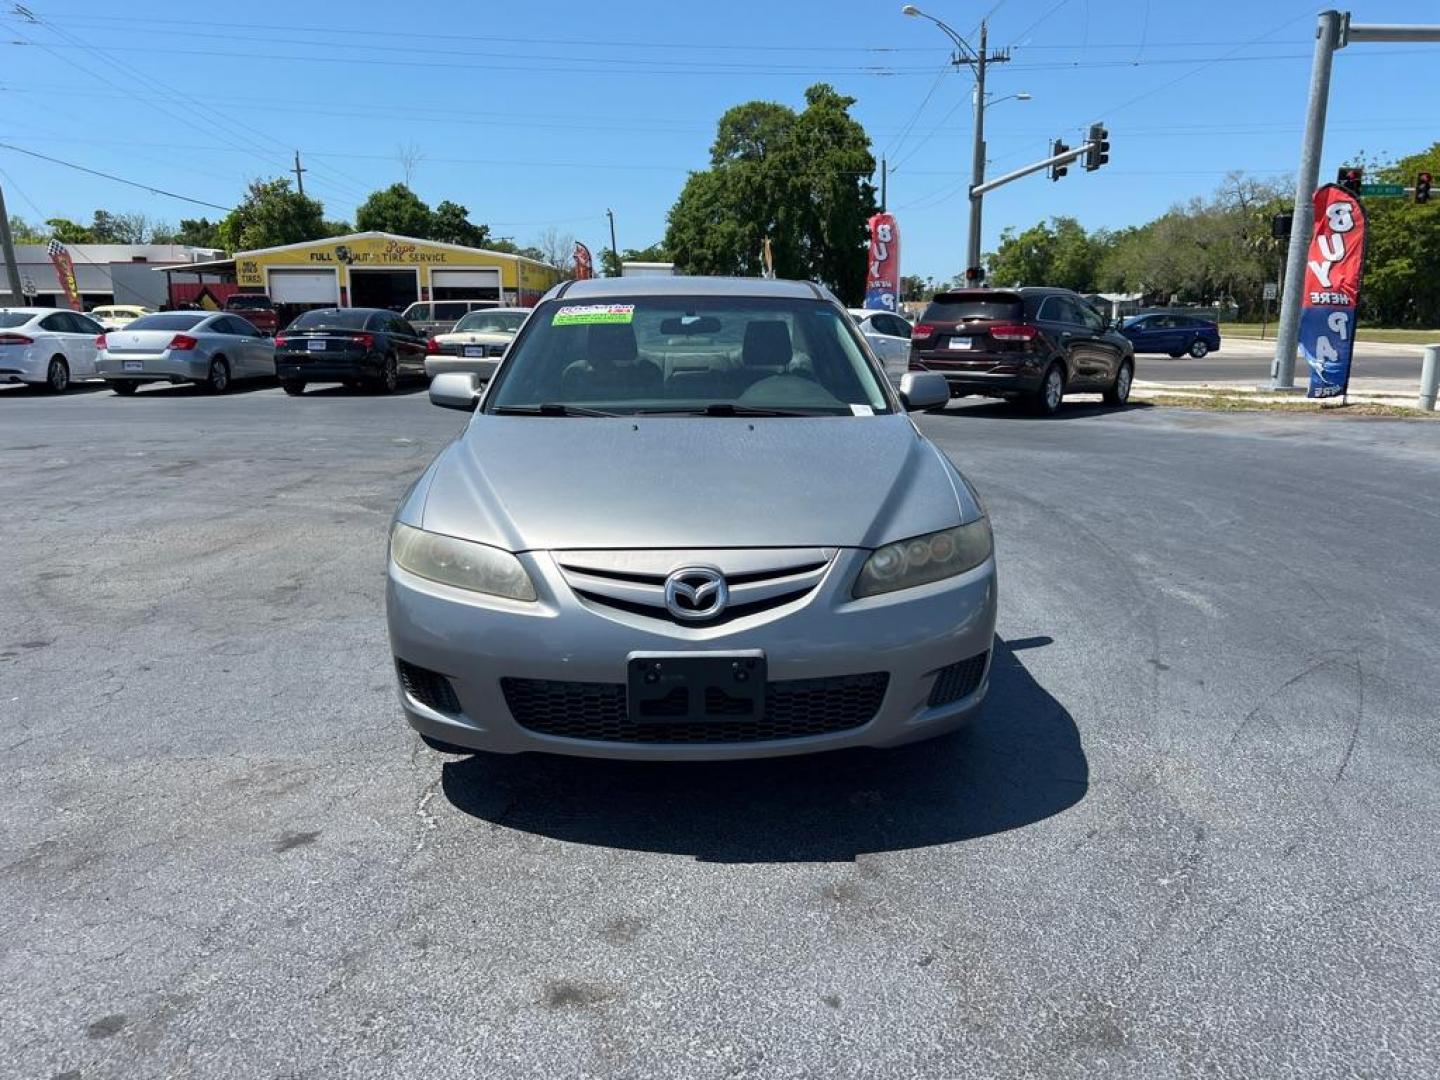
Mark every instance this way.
x=376 y=269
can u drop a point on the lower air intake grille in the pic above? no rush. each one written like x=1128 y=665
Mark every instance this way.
x=958 y=680
x=794 y=708
x=427 y=687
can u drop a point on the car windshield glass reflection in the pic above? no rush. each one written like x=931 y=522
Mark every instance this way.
x=708 y=356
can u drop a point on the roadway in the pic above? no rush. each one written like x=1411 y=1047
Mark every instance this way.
x=1194 y=834
x=1242 y=360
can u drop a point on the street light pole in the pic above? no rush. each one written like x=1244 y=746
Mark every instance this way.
x=978 y=62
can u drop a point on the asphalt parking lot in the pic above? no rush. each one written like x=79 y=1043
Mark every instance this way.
x=1193 y=836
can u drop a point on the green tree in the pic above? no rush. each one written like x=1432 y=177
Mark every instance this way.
x=24 y=233
x=1402 y=249
x=451 y=223
x=610 y=265
x=395 y=209
x=193 y=232
x=271 y=215
x=69 y=232
x=1059 y=253
x=799 y=179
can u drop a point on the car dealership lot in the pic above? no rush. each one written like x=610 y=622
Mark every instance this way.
x=1194 y=833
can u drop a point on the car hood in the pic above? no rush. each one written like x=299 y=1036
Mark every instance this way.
x=525 y=483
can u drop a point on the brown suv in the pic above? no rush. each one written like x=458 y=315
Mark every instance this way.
x=1027 y=343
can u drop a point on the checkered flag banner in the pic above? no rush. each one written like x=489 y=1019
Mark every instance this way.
x=54 y=248
x=65 y=272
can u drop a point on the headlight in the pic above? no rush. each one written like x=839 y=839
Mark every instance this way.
x=475 y=567
x=923 y=559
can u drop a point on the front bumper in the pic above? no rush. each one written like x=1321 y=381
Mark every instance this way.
x=152 y=368
x=475 y=642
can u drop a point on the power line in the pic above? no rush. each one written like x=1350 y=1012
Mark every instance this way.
x=118 y=179
x=905 y=129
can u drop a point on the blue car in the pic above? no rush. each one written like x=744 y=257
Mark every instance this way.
x=1173 y=334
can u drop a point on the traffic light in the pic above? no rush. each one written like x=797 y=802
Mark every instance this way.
x=1099 y=151
x=1060 y=169
x=1350 y=178
x=974 y=276
x=1280 y=225
x=1422 y=187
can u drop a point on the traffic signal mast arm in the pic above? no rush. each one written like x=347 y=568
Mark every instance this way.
x=1063 y=158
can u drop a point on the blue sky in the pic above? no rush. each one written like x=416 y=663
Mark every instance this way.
x=535 y=115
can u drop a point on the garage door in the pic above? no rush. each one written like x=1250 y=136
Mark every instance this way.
x=465 y=284
x=304 y=287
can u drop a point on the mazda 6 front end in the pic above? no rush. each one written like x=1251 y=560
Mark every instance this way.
x=689 y=519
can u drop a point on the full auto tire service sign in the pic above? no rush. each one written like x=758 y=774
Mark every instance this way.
x=1332 y=290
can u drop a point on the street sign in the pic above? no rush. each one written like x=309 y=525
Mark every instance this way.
x=1272 y=290
x=1384 y=191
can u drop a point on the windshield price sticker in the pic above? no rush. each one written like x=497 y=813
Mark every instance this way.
x=593 y=314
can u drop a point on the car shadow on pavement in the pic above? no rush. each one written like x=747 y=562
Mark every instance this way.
x=993 y=409
x=1020 y=763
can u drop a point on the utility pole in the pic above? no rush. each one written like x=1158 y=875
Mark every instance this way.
x=1334 y=31
x=614 y=251
x=978 y=62
x=299 y=173
x=883 y=170
x=7 y=249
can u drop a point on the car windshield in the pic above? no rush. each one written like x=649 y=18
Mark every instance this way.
x=14 y=318
x=169 y=320
x=491 y=322
x=247 y=303
x=333 y=318
x=705 y=355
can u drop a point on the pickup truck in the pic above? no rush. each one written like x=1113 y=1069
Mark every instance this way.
x=257 y=309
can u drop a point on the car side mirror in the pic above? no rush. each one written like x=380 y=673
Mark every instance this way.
x=923 y=390
x=455 y=390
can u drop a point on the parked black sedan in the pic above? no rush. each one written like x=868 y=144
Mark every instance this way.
x=355 y=346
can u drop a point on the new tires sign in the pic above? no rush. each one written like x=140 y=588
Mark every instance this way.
x=1332 y=290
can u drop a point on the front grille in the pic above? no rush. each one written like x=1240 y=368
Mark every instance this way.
x=794 y=708
x=958 y=680
x=430 y=688
x=634 y=581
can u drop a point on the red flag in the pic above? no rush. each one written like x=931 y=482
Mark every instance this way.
x=882 y=277
x=65 y=271
x=584 y=264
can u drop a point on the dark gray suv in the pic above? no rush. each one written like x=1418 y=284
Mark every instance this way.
x=1028 y=343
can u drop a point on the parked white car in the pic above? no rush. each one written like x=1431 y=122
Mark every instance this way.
x=118 y=316
x=476 y=344
x=888 y=335
x=47 y=347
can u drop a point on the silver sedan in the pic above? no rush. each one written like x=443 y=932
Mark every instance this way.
x=690 y=519
x=210 y=349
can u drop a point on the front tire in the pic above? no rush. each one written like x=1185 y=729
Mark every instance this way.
x=293 y=387
x=126 y=388
x=1119 y=391
x=1198 y=349
x=57 y=376
x=218 y=380
x=1046 y=401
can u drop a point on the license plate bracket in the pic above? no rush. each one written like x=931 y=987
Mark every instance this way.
x=714 y=687
x=962 y=343
x=474 y=351
x=134 y=365
x=316 y=345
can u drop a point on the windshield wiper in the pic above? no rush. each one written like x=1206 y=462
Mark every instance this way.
x=549 y=408
x=727 y=408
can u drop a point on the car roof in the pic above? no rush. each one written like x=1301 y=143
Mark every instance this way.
x=625 y=287
x=33 y=311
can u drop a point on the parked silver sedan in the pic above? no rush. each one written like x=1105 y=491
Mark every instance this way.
x=212 y=349
x=690 y=519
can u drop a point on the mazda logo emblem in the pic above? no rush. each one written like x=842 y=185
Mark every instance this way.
x=696 y=593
